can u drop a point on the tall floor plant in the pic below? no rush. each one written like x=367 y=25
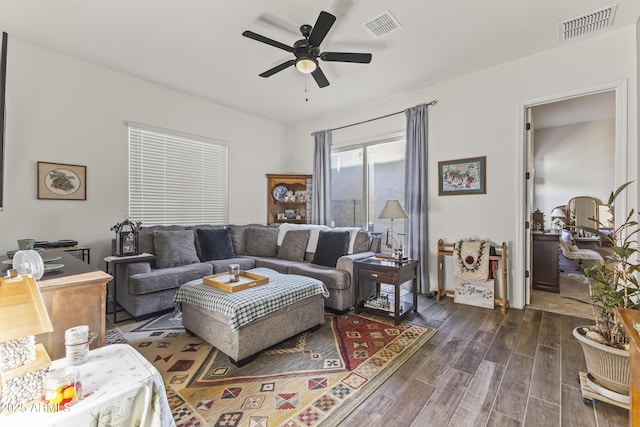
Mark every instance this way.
x=614 y=282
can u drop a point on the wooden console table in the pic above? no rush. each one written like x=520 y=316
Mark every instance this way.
x=446 y=249
x=74 y=295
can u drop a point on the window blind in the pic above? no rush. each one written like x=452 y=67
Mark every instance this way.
x=176 y=178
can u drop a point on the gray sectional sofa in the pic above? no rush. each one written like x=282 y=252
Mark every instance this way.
x=185 y=253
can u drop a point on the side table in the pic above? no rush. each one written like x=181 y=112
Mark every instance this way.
x=111 y=263
x=394 y=273
x=84 y=252
x=120 y=387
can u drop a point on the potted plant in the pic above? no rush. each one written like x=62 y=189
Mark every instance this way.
x=612 y=284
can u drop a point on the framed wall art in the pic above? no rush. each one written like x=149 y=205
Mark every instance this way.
x=59 y=181
x=462 y=176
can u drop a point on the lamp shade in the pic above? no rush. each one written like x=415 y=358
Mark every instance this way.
x=306 y=64
x=22 y=310
x=559 y=213
x=392 y=210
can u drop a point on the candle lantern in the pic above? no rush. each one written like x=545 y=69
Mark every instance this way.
x=126 y=237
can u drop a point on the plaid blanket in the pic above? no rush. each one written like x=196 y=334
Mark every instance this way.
x=245 y=306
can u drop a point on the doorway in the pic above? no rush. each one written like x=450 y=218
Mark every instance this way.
x=572 y=149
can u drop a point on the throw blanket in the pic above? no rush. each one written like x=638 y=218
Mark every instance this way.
x=471 y=260
x=245 y=306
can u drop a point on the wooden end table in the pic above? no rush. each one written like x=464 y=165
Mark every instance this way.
x=380 y=270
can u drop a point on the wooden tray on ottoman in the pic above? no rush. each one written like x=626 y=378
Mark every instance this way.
x=247 y=280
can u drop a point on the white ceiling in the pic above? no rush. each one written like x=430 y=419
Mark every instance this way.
x=196 y=46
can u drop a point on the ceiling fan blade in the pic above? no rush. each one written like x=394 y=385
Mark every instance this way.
x=277 y=68
x=267 y=40
x=360 y=58
x=320 y=78
x=323 y=25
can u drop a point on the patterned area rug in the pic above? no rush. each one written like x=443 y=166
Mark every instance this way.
x=315 y=378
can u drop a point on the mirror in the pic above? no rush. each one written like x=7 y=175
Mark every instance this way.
x=582 y=212
x=605 y=216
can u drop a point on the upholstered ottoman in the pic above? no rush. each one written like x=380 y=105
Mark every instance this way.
x=241 y=324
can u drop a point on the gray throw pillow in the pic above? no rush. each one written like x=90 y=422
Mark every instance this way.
x=262 y=241
x=362 y=243
x=294 y=245
x=238 y=238
x=174 y=248
x=331 y=246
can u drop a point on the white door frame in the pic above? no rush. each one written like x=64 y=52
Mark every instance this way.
x=521 y=295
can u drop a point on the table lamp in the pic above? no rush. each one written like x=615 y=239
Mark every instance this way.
x=23 y=364
x=558 y=218
x=392 y=210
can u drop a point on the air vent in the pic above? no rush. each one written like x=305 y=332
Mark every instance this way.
x=382 y=24
x=595 y=21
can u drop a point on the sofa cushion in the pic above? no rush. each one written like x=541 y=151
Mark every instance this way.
x=294 y=245
x=332 y=278
x=222 y=265
x=174 y=248
x=262 y=241
x=331 y=246
x=214 y=244
x=238 y=238
x=166 y=278
x=277 y=264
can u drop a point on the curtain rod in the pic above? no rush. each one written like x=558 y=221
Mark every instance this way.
x=434 y=102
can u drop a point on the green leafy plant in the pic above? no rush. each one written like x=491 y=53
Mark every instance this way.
x=614 y=282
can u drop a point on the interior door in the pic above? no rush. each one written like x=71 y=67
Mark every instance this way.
x=530 y=171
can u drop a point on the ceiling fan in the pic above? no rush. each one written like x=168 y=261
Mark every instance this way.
x=307 y=50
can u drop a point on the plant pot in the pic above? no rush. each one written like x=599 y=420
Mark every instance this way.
x=608 y=366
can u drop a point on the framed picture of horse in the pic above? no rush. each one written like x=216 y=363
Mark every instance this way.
x=462 y=176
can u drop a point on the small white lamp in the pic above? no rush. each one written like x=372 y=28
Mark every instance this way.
x=392 y=210
x=558 y=217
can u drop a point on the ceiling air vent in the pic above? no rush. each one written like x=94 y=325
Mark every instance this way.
x=595 y=21
x=382 y=24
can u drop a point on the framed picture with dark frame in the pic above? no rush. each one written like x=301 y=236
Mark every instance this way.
x=60 y=181
x=462 y=176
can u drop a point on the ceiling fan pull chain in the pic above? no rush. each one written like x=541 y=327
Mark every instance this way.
x=306 y=95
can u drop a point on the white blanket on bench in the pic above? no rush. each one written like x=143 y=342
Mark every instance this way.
x=245 y=306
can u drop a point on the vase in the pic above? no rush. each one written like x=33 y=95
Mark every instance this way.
x=607 y=366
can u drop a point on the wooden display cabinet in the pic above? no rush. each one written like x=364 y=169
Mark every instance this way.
x=288 y=198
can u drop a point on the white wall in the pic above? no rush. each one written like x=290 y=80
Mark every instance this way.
x=482 y=114
x=573 y=160
x=60 y=109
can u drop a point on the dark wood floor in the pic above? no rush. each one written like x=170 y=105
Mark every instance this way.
x=486 y=369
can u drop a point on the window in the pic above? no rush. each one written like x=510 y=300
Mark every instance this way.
x=176 y=178
x=359 y=193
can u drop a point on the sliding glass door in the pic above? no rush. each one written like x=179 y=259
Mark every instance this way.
x=363 y=178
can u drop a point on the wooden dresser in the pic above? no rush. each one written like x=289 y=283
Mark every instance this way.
x=74 y=295
x=545 y=262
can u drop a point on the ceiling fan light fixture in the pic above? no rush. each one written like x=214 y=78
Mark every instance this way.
x=306 y=64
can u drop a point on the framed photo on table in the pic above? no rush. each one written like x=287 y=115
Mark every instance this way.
x=462 y=176
x=59 y=181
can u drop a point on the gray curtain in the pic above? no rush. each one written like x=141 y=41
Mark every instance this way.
x=321 y=193
x=415 y=191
